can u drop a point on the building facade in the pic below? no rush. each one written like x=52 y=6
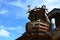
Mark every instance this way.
x=55 y=31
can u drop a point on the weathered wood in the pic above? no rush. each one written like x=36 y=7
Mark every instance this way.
x=38 y=26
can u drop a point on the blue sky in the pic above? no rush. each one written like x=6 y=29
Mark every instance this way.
x=13 y=17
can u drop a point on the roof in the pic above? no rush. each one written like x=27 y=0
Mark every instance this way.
x=55 y=10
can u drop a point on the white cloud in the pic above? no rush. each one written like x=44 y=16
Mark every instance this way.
x=4 y=12
x=49 y=3
x=12 y=28
x=6 y=28
x=18 y=28
x=4 y=33
x=52 y=4
x=18 y=3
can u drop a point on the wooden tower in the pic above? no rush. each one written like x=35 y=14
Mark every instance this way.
x=38 y=26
